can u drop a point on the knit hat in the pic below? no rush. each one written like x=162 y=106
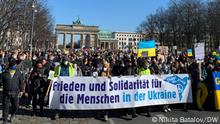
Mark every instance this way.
x=12 y=62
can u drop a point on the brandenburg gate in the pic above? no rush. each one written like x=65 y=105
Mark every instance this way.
x=90 y=32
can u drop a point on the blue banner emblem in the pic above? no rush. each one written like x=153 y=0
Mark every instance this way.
x=180 y=83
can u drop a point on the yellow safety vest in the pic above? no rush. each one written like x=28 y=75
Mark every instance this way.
x=143 y=71
x=58 y=68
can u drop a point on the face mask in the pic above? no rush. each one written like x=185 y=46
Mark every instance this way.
x=66 y=63
x=95 y=74
x=146 y=66
x=105 y=69
x=14 y=56
x=22 y=58
x=13 y=68
x=122 y=65
x=44 y=62
x=34 y=58
x=51 y=58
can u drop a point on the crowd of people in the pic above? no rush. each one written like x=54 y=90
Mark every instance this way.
x=23 y=74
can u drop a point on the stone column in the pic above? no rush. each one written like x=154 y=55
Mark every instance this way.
x=56 y=41
x=72 y=41
x=96 y=44
x=104 y=45
x=109 y=44
x=64 y=40
x=113 y=45
x=81 y=41
x=88 y=41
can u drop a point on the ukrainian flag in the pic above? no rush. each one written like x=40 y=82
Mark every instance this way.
x=189 y=53
x=147 y=46
x=216 y=76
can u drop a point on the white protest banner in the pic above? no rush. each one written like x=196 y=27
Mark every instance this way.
x=199 y=51
x=89 y=93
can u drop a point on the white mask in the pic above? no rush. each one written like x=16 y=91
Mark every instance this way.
x=66 y=63
x=22 y=58
x=51 y=58
x=34 y=58
x=95 y=74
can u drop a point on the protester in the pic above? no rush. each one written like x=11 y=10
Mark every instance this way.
x=13 y=87
x=128 y=71
x=202 y=91
x=107 y=63
x=65 y=68
x=144 y=70
x=164 y=69
x=38 y=86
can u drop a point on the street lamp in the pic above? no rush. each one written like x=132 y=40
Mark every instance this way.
x=32 y=25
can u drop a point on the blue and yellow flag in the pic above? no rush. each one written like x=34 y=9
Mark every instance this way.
x=189 y=53
x=216 y=77
x=146 y=49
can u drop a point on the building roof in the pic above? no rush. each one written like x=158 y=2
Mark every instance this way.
x=105 y=32
x=126 y=33
x=106 y=36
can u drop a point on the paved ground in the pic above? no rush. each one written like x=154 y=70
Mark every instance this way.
x=87 y=117
x=177 y=116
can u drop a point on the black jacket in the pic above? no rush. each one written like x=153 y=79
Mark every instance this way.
x=12 y=84
x=37 y=79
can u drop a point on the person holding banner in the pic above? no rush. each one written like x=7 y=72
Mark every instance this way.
x=47 y=67
x=129 y=70
x=105 y=72
x=181 y=68
x=144 y=70
x=38 y=86
x=202 y=91
x=64 y=69
x=164 y=69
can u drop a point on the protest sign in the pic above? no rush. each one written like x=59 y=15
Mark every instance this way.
x=144 y=54
x=199 y=51
x=189 y=53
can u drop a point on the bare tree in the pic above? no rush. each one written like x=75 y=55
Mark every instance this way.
x=16 y=18
x=185 y=22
